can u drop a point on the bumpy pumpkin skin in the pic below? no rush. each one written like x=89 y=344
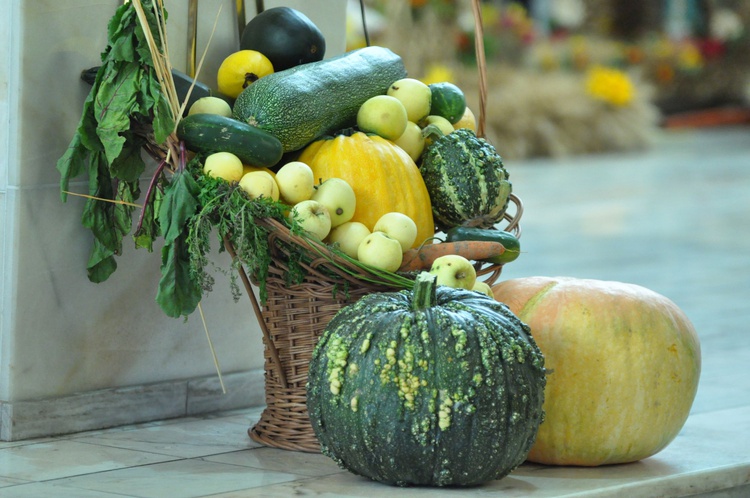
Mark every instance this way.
x=624 y=366
x=447 y=396
x=383 y=176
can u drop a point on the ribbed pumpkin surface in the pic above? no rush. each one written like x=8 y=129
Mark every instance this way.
x=625 y=365
x=445 y=395
x=383 y=176
x=467 y=182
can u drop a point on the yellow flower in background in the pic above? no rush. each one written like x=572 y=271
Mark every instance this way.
x=690 y=57
x=610 y=85
x=437 y=73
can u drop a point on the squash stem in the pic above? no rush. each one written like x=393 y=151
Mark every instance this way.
x=424 y=292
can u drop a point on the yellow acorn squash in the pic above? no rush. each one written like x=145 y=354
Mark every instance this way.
x=383 y=176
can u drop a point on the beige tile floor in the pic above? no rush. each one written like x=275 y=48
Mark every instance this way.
x=675 y=219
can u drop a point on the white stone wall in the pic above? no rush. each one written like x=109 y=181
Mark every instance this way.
x=59 y=333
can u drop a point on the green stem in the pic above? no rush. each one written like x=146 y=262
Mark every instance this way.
x=424 y=292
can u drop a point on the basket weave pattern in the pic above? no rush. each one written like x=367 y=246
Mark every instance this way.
x=293 y=318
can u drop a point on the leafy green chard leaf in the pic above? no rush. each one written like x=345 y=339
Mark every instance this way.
x=101 y=263
x=178 y=293
x=115 y=102
x=125 y=99
x=147 y=230
x=129 y=164
x=179 y=205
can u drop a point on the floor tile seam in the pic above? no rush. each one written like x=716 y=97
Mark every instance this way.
x=262 y=469
x=148 y=452
x=68 y=486
x=301 y=481
x=107 y=471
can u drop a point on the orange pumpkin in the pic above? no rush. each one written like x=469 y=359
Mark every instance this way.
x=383 y=176
x=624 y=363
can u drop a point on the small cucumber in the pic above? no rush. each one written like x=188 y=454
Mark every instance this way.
x=508 y=240
x=209 y=133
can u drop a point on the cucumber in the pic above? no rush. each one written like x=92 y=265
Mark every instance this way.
x=301 y=104
x=209 y=133
x=508 y=240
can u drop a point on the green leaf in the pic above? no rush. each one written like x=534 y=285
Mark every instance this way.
x=129 y=165
x=179 y=205
x=101 y=263
x=114 y=103
x=148 y=230
x=178 y=293
x=71 y=164
x=163 y=120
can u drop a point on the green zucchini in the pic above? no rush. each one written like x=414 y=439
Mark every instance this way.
x=209 y=133
x=301 y=104
x=508 y=240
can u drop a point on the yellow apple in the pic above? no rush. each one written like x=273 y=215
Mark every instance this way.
x=338 y=196
x=381 y=251
x=454 y=271
x=483 y=288
x=296 y=182
x=211 y=105
x=412 y=140
x=224 y=165
x=259 y=184
x=348 y=236
x=415 y=95
x=398 y=226
x=383 y=115
x=313 y=217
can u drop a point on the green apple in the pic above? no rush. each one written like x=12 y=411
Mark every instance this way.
x=383 y=115
x=296 y=182
x=348 y=236
x=211 y=105
x=224 y=165
x=415 y=95
x=313 y=217
x=259 y=184
x=381 y=251
x=483 y=288
x=454 y=271
x=338 y=196
x=398 y=226
x=412 y=140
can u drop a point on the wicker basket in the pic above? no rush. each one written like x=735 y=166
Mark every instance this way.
x=293 y=317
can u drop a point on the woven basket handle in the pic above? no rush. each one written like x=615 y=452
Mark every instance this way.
x=481 y=64
x=258 y=313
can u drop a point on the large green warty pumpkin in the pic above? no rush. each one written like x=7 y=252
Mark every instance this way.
x=434 y=387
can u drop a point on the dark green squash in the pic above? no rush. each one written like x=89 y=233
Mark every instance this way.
x=466 y=179
x=306 y=102
x=433 y=387
x=286 y=36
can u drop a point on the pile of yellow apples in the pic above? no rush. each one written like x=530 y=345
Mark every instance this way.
x=324 y=211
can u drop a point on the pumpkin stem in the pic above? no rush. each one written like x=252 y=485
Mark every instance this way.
x=423 y=294
x=432 y=131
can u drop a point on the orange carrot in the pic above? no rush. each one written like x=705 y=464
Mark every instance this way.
x=421 y=258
